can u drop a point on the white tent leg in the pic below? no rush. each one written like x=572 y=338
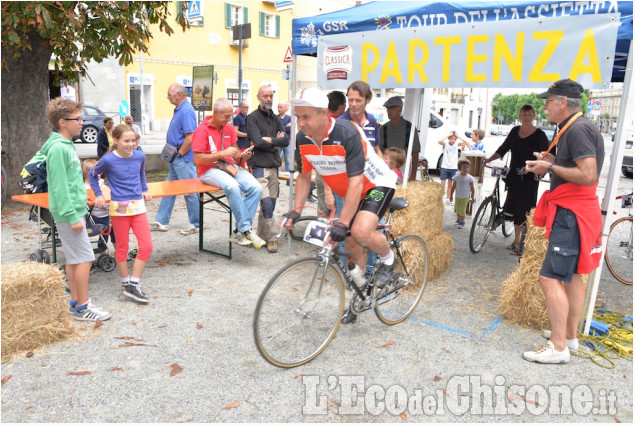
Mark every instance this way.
x=610 y=192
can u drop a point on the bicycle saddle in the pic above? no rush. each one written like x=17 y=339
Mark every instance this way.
x=397 y=204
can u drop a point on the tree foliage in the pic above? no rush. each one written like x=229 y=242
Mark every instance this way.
x=64 y=36
x=509 y=106
x=77 y=32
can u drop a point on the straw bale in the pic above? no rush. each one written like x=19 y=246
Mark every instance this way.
x=439 y=253
x=34 y=310
x=522 y=300
x=424 y=217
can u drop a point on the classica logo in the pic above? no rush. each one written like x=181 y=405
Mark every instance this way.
x=338 y=62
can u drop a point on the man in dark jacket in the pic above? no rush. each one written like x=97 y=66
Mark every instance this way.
x=266 y=132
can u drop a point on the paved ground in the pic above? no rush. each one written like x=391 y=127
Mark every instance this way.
x=444 y=365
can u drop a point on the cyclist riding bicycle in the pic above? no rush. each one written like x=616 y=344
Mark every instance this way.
x=339 y=151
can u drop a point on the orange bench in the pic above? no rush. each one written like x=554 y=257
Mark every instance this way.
x=206 y=194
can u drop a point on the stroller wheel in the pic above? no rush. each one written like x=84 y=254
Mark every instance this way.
x=107 y=263
x=46 y=258
x=40 y=256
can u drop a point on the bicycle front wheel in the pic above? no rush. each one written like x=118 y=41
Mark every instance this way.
x=403 y=294
x=619 y=250
x=299 y=312
x=507 y=227
x=481 y=225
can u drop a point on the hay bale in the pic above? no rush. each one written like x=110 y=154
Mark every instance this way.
x=439 y=253
x=424 y=217
x=522 y=300
x=34 y=309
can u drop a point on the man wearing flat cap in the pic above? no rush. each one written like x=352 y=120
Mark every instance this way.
x=570 y=212
x=396 y=133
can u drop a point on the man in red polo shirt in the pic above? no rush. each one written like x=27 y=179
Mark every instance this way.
x=216 y=154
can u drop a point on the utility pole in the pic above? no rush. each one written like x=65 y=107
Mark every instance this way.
x=240 y=32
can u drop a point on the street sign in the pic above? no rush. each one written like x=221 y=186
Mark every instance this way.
x=480 y=111
x=288 y=57
x=596 y=105
x=588 y=106
x=124 y=108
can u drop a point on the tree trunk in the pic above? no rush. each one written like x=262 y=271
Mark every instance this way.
x=25 y=94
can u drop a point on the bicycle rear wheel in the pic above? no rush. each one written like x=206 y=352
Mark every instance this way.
x=619 y=250
x=481 y=225
x=299 y=312
x=403 y=294
x=300 y=226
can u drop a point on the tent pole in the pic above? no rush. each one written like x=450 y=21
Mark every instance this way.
x=292 y=91
x=610 y=192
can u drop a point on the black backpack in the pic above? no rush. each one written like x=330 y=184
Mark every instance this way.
x=33 y=175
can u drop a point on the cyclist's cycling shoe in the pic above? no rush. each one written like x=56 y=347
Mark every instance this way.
x=349 y=317
x=384 y=274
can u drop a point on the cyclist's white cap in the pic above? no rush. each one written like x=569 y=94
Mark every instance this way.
x=311 y=97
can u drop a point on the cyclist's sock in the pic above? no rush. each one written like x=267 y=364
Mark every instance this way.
x=388 y=259
x=125 y=280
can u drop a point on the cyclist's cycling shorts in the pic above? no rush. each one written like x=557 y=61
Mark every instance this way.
x=377 y=200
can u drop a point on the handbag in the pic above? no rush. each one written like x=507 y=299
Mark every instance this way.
x=225 y=166
x=169 y=152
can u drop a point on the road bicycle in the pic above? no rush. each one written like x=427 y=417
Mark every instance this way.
x=619 y=245
x=489 y=215
x=300 y=309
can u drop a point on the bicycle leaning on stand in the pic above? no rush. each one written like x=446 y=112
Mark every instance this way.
x=619 y=244
x=489 y=215
x=300 y=309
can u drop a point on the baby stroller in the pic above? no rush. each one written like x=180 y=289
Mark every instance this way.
x=48 y=240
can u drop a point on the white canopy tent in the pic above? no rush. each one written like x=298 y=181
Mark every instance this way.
x=420 y=45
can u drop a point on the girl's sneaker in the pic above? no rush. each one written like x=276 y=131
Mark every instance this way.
x=133 y=292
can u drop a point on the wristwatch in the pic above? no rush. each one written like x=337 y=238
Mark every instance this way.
x=550 y=169
x=178 y=154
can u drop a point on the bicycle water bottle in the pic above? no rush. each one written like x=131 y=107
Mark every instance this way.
x=356 y=274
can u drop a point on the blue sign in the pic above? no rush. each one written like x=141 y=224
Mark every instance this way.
x=124 y=108
x=596 y=105
x=194 y=10
x=588 y=106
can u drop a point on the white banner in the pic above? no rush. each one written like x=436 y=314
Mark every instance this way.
x=524 y=53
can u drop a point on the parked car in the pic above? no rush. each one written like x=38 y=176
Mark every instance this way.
x=93 y=122
x=548 y=130
x=627 y=161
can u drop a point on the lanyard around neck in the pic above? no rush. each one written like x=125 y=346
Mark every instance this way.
x=555 y=140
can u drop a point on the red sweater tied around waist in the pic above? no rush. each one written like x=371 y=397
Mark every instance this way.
x=583 y=202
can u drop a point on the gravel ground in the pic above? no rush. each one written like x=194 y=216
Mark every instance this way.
x=445 y=365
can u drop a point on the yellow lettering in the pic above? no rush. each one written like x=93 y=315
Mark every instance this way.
x=554 y=38
x=394 y=70
x=502 y=50
x=366 y=67
x=447 y=47
x=586 y=48
x=413 y=66
x=472 y=57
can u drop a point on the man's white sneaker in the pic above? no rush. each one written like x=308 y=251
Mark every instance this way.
x=546 y=353
x=573 y=344
x=158 y=226
x=189 y=230
x=256 y=241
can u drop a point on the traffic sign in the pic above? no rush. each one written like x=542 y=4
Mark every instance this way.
x=124 y=108
x=287 y=57
x=479 y=110
x=588 y=106
x=596 y=105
